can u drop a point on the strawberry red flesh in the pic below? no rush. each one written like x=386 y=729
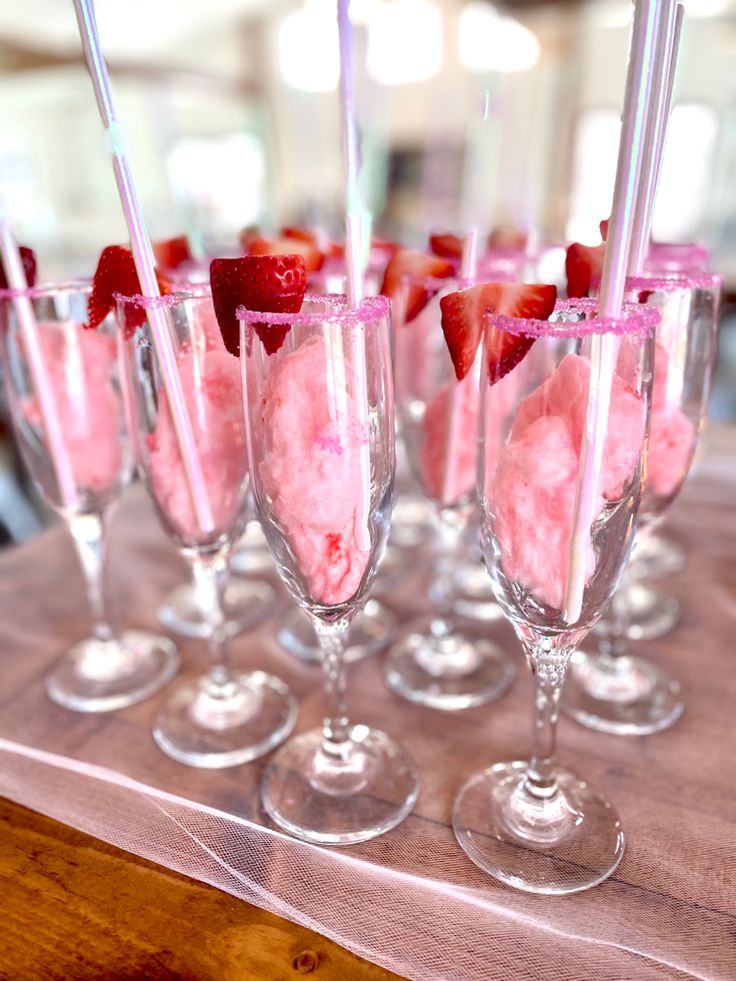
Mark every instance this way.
x=417 y=265
x=446 y=245
x=583 y=263
x=28 y=258
x=269 y=283
x=172 y=253
x=463 y=323
x=115 y=273
x=312 y=255
x=604 y=228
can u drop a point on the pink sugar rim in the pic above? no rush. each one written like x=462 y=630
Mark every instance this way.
x=371 y=309
x=636 y=319
x=677 y=281
x=47 y=289
x=169 y=300
x=458 y=284
x=679 y=248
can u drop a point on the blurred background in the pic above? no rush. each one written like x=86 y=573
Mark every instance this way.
x=231 y=117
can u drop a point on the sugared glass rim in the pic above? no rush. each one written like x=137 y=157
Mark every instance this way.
x=48 y=289
x=665 y=283
x=197 y=292
x=456 y=282
x=679 y=249
x=636 y=318
x=371 y=309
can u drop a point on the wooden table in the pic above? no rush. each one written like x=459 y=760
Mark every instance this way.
x=74 y=907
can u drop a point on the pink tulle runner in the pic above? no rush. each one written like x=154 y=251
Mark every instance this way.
x=409 y=901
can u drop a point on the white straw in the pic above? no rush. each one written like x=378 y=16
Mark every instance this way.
x=354 y=239
x=143 y=256
x=648 y=23
x=667 y=52
x=50 y=418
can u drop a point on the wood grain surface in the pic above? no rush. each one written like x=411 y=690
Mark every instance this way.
x=73 y=907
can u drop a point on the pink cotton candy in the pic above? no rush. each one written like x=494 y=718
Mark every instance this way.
x=311 y=470
x=537 y=474
x=672 y=436
x=81 y=366
x=461 y=456
x=212 y=391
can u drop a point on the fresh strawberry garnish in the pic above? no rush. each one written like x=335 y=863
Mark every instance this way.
x=313 y=256
x=419 y=265
x=249 y=234
x=28 y=258
x=604 y=228
x=446 y=245
x=507 y=237
x=115 y=273
x=172 y=253
x=300 y=234
x=384 y=245
x=269 y=283
x=583 y=263
x=463 y=316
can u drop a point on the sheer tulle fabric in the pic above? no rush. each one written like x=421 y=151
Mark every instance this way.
x=409 y=901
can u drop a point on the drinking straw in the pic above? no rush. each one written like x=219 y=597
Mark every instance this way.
x=667 y=52
x=354 y=239
x=649 y=21
x=50 y=418
x=143 y=256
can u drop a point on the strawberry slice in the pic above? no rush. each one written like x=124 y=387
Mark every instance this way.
x=507 y=237
x=28 y=258
x=172 y=253
x=269 y=283
x=446 y=245
x=411 y=262
x=313 y=257
x=604 y=228
x=115 y=273
x=582 y=264
x=463 y=322
x=299 y=234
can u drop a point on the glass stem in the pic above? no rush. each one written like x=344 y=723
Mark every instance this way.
x=615 y=642
x=332 y=636
x=89 y=532
x=450 y=527
x=210 y=575
x=549 y=672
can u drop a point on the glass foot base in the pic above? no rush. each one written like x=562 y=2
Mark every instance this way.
x=472 y=597
x=370 y=632
x=652 y=614
x=248 y=602
x=335 y=801
x=626 y=696
x=437 y=664
x=95 y=676
x=567 y=843
x=218 y=727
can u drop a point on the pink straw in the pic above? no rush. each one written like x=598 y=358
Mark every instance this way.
x=143 y=256
x=16 y=279
x=354 y=233
x=649 y=20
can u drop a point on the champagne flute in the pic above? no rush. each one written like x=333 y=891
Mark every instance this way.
x=534 y=825
x=320 y=436
x=610 y=689
x=112 y=668
x=224 y=717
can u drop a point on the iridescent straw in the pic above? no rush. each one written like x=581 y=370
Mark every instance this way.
x=50 y=418
x=143 y=256
x=354 y=242
x=649 y=20
x=667 y=52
